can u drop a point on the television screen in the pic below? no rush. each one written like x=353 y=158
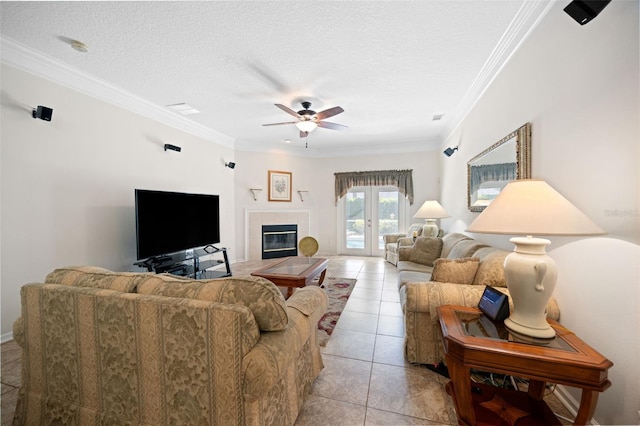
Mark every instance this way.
x=168 y=222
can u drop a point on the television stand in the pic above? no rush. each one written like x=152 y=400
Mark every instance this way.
x=190 y=263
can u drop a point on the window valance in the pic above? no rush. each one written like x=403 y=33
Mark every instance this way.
x=403 y=179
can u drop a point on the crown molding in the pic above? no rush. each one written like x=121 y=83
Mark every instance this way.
x=26 y=59
x=524 y=22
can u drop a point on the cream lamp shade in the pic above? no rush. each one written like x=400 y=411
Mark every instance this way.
x=430 y=211
x=531 y=207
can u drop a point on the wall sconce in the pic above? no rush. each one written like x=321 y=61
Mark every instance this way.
x=172 y=147
x=43 y=113
x=302 y=192
x=449 y=151
x=230 y=165
x=255 y=192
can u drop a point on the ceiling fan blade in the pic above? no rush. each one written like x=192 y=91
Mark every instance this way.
x=332 y=126
x=278 y=124
x=329 y=112
x=288 y=110
x=303 y=134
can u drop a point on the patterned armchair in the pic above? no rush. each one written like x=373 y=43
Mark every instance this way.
x=129 y=348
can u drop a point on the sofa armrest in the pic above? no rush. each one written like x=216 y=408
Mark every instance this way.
x=392 y=238
x=271 y=357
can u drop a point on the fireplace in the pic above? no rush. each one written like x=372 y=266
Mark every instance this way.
x=279 y=241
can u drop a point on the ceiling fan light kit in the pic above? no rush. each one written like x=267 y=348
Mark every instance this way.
x=306 y=126
x=309 y=120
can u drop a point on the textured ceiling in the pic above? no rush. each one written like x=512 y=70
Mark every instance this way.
x=390 y=65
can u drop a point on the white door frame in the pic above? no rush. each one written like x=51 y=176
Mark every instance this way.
x=371 y=228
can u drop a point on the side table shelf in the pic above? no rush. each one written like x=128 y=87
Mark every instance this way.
x=565 y=360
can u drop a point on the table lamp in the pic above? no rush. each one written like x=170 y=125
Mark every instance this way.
x=531 y=207
x=430 y=211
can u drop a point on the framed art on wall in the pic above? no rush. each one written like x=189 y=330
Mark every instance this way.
x=279 y=186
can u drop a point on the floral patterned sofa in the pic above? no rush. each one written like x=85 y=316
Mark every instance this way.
x=452 y=270
x=137 y=348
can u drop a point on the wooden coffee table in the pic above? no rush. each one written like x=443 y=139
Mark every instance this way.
x=294 y=272
x=471 y=340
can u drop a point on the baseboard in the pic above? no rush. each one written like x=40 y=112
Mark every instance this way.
x=6 y=337
x=570 y=402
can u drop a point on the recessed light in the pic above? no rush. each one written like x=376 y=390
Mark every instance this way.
x=79 y=46
x=183 y=108
x=287 y=141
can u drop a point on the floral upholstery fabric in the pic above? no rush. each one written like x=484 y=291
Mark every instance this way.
x=93 y=276
x=258 y=294
x=143 y=359
x=491 y=267
x=99 y=356
x=459 y=271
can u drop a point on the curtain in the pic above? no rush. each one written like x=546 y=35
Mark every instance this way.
x=491 y=172
x=403 y=179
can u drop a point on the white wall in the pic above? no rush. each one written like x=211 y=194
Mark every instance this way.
x=317 y=176
x=68 y=185
x=579 y=87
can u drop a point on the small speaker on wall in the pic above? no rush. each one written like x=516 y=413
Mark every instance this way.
x=43 y=113
x=584 y=11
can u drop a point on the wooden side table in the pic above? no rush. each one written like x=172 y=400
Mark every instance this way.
x=471 y=340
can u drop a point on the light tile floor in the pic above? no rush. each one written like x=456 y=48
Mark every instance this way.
x=365 y=380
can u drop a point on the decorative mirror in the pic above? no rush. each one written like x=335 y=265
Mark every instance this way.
x=489 y=172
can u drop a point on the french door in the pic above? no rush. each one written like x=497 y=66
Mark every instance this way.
x=366 y=214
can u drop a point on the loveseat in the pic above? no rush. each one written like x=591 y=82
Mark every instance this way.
x=452 y=270
x=138 y=348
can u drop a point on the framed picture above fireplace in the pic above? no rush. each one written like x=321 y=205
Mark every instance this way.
x=279 y=185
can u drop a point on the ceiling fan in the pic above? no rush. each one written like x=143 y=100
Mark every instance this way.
x=308 y=119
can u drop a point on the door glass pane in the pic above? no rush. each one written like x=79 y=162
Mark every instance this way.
x=355 y=219
x=387 y=215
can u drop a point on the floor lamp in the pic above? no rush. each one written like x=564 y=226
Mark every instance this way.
x=531 y=207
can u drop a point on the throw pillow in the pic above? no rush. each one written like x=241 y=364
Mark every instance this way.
x=426 y=250
x=491 y=269
x=457 y=271
x=260 y=295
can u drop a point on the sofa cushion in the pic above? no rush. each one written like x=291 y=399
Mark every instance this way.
x=96 y=277
x=457 y=271
x=425 y=250
x=464 y=248
x=450 y=240
x=260 y=295
x=491 y=268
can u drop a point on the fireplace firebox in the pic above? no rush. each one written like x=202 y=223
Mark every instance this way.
x=279 y=241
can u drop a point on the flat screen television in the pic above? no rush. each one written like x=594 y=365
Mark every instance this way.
x=169 y=222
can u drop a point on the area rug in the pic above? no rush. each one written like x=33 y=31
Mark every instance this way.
x=338 y=291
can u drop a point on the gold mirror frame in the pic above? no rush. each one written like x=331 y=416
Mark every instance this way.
x=498 y=154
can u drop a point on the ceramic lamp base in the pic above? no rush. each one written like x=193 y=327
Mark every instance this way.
x=531 y=278
x=430 y=229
